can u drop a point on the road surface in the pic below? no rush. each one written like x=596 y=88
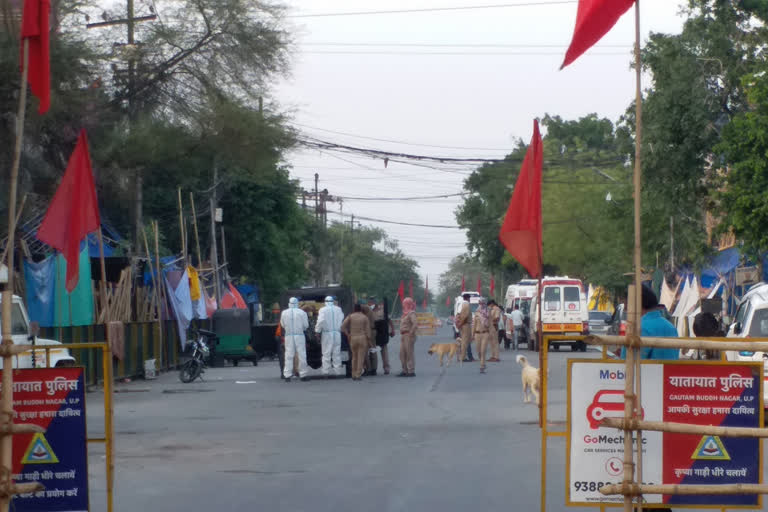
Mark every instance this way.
x=452 y=440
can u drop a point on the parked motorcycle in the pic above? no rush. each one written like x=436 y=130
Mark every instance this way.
x=201 y=355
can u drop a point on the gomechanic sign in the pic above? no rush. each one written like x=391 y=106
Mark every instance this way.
x=701 y=393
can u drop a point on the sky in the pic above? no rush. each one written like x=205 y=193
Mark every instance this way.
x=463 y=83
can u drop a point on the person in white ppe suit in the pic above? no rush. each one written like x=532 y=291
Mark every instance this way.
x=329 y=326
x=294 y=322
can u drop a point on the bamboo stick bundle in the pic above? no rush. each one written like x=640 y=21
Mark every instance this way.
x=683 y=428
x=677 y=489
x=755 y=345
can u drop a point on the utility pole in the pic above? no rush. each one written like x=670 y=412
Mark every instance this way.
x=671 y=244
x=214 y=249
x=317 y=198
x=130 y=52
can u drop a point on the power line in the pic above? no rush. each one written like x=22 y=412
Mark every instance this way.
x=457 y=45
x=458 y=54
x=399 y=141
x=432 y=9
x=415 y=198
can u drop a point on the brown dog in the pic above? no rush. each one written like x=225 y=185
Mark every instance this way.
x=445 y=349
x=531 y=379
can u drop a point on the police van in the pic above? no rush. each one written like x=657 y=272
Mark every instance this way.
x=565 y=311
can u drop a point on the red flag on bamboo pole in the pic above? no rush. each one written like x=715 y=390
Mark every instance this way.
x=448 y=301
x=594 y=18
x=463 y=286
x=34 y=28
x=73 y=212
x=401 y=291
x=492 y=287
x=521 y=231
x=426 y=293
x=410 y=288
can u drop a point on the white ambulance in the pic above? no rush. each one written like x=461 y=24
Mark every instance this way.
x=565 y=311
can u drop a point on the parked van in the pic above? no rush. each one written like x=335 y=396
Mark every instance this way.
x=751 y=321
x=520 y=295
x=22 y=334
x=565 y=311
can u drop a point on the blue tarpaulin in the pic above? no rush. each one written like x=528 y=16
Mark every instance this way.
x=40 y=280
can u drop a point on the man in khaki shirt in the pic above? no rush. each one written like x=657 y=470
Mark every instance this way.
x=481 y=325
x=493 y=331
x=358 y=330
x=463 y=322
x=408 y=326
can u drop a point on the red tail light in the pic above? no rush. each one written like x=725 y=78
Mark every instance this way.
x=585 y=328
x=622 y=329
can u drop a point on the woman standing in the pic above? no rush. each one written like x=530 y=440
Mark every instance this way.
x=408 y=326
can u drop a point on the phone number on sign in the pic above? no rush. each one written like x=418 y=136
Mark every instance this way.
x=594 y=486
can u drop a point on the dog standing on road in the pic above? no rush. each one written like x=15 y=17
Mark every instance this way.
x=531 y=379
x=445 y=349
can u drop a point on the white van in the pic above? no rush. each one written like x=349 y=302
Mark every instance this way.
x=21 y=334
x=751 y=321
x=565 y=311
x=519 y=295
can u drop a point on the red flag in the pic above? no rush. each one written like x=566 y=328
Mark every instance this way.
x=463 y=287
x=410 y=288
x=448 y=301
x=34 y=27
x=521 y=231
x=426 y=292
x=492 y=287
x=479 y=286
x=594 y=18
x=401 y=291
x=73 y=212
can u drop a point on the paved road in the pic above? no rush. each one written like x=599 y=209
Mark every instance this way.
x=245 y=440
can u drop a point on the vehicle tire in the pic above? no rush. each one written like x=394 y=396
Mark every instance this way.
x=235 y=362
x=581 y=346
x=255 y=362
x=348 y=369
x=190 y=371
x=555 y=347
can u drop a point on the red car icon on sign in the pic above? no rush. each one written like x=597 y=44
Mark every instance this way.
x=608 y=403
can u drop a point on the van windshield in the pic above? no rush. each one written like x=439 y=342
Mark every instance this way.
x=18 y=323
x=759 y=326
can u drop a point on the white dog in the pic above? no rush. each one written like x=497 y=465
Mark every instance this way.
x=531 y=379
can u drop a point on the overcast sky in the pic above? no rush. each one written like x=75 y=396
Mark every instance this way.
x=369 y=80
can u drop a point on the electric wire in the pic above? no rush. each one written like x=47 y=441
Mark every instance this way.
x=431 y=9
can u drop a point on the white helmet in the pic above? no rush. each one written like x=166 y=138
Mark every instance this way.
x=293 y=303
x=329 y=300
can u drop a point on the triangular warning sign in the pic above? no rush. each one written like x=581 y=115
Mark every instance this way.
x=39 y=452
x=710 y=448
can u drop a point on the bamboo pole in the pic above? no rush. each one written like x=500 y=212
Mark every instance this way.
x=684 y=428
x=761 y=345
x=629 y=405
x=7 y=488
x=16 y=222
x=161 y=290
x=181 y=229
x=149 y=259
x=197 y=235
x=672 y=489
x=633 y=353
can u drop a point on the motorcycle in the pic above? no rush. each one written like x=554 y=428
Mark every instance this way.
x=201 y=354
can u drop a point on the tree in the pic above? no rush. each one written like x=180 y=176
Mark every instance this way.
x=741 y=195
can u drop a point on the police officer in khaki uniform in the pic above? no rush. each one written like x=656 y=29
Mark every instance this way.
x=481 y=325
x=493 y=331
x=408 y=327
x=358 y=330
x=463 y=322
